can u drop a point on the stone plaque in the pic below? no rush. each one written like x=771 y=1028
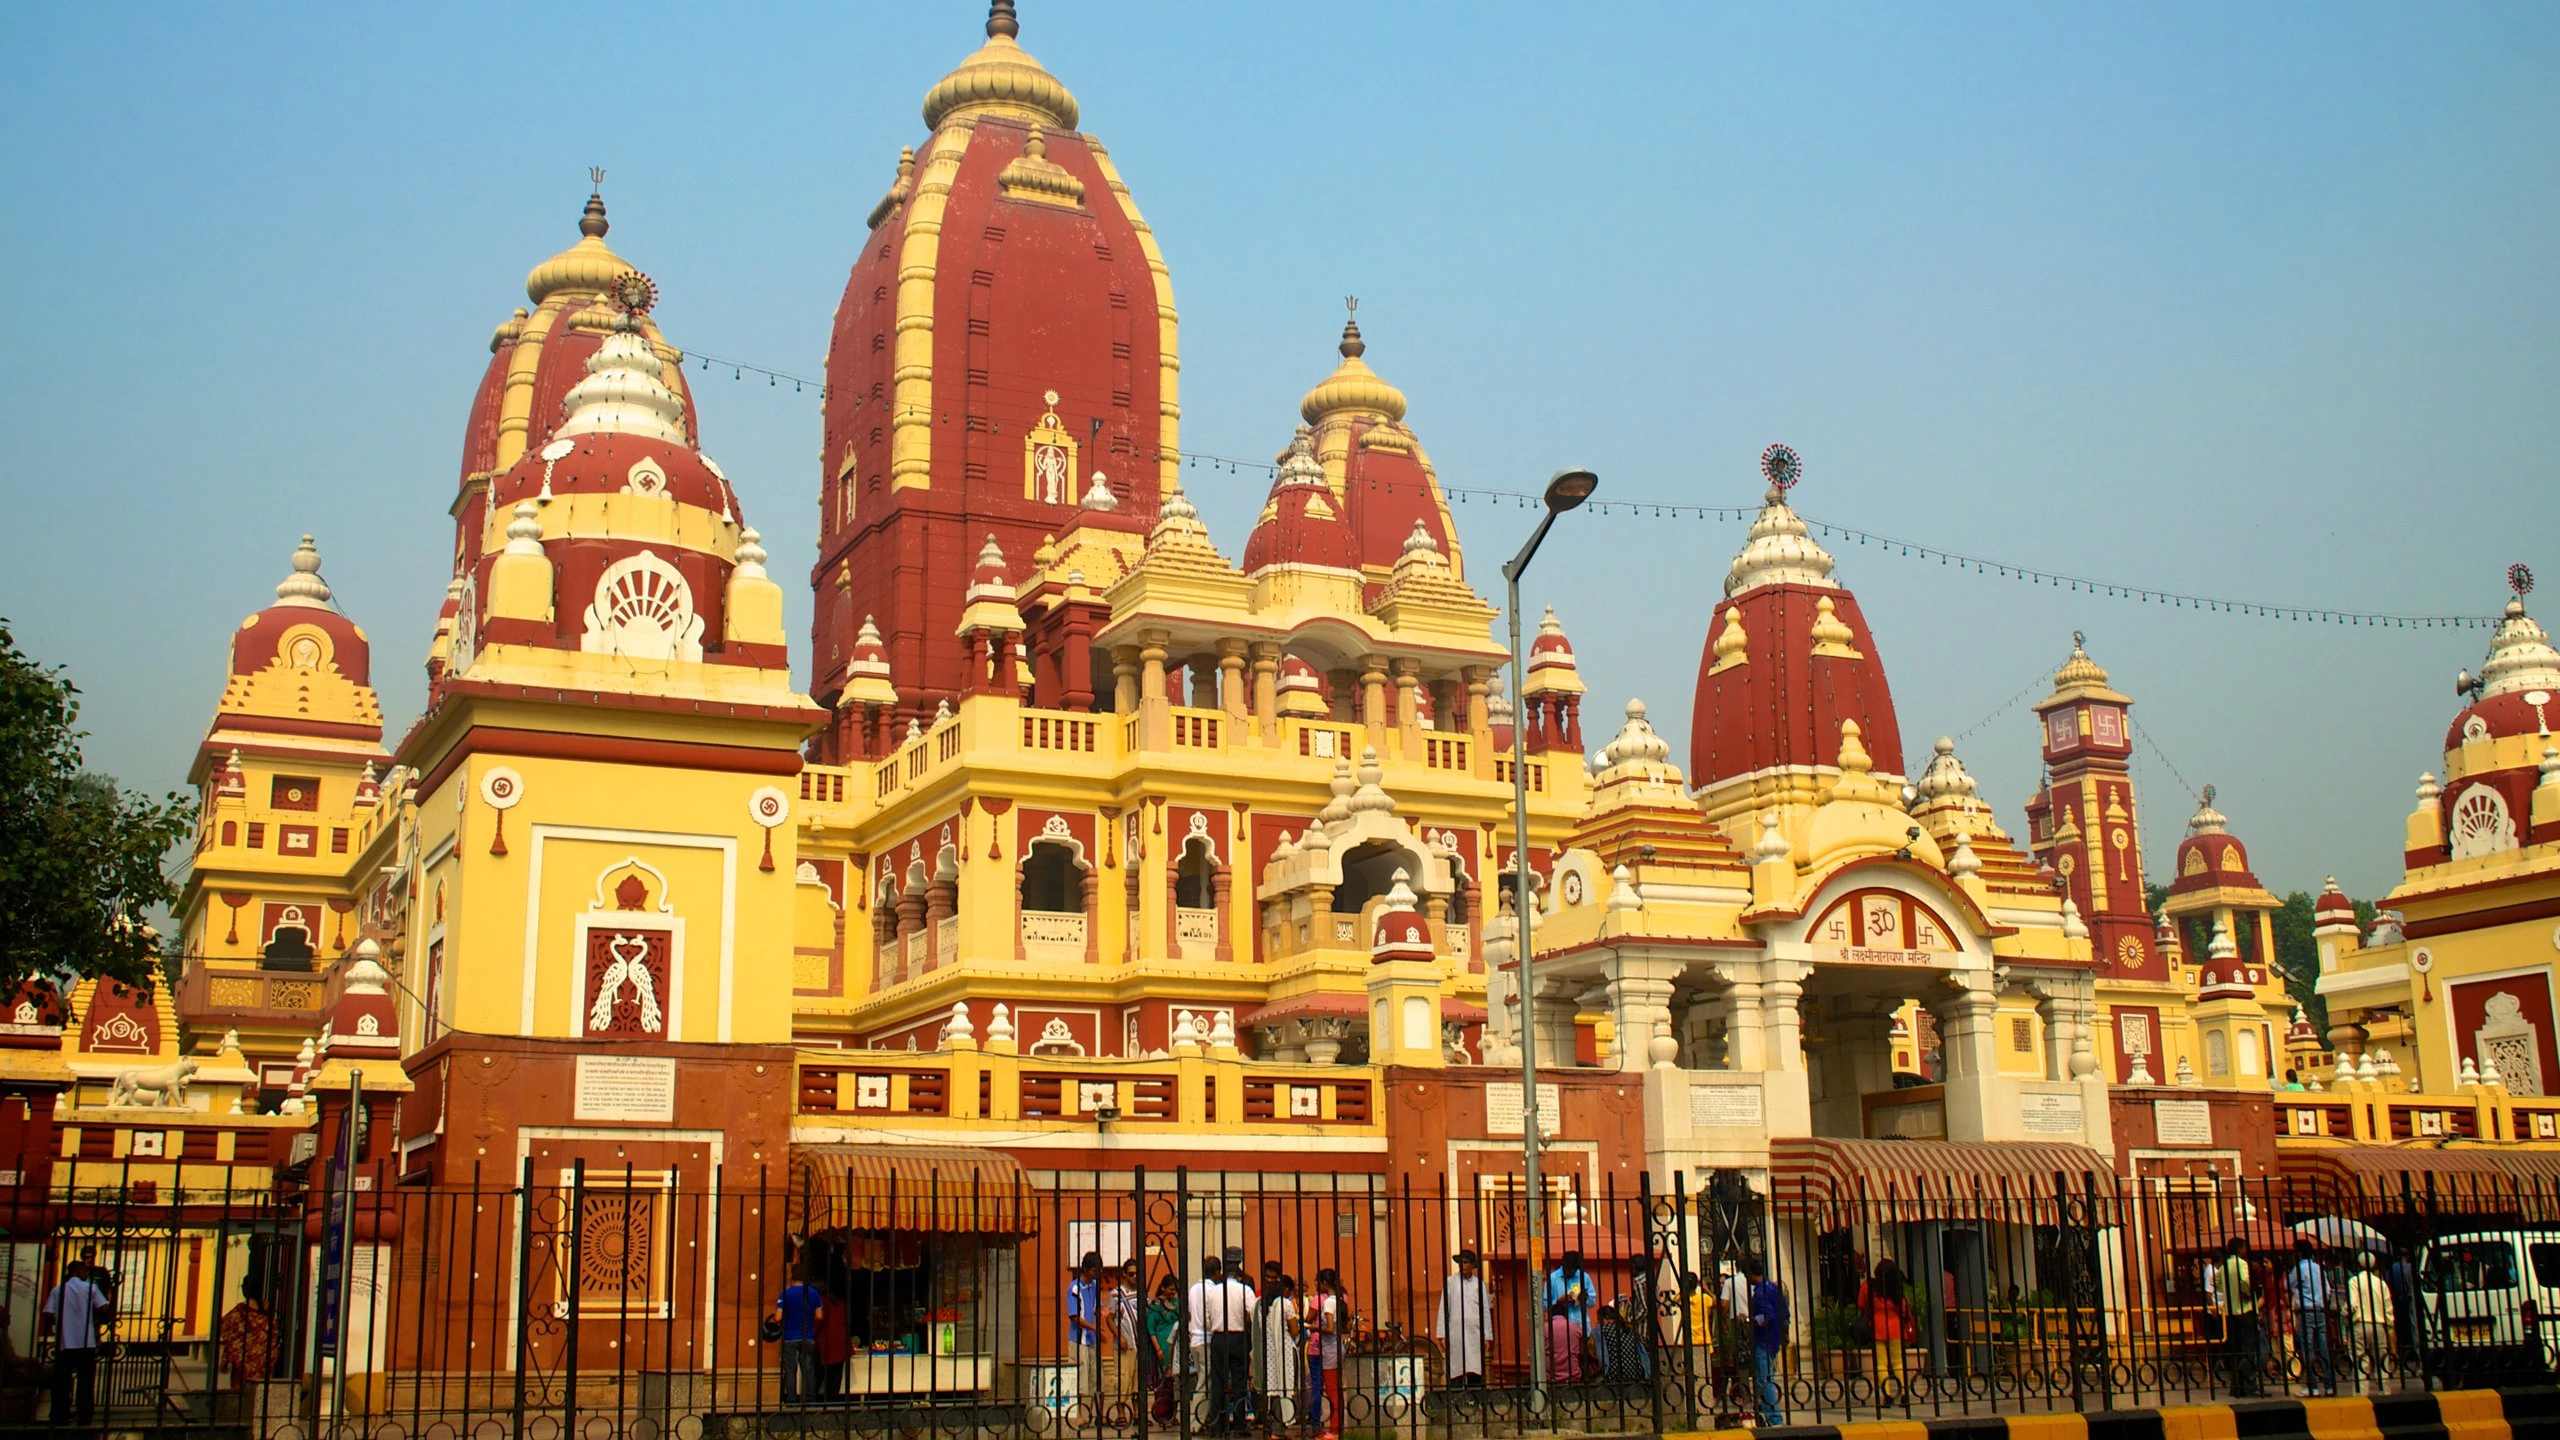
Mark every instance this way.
x=1726 y=1105
x=2182 y=1122
x=1502 y=1109
x=626 y=1087
x=2045 y=1113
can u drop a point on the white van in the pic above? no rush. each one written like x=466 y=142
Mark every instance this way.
x=2492 y=1288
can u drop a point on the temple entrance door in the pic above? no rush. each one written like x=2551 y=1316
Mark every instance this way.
x=1851 y=1041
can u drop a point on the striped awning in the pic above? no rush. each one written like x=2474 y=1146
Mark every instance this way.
x=1892 y=1181
x=908 y=1189
x=2448 y=1177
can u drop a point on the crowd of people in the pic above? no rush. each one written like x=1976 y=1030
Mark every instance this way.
x=2346 y=1323
x=1260 y=1353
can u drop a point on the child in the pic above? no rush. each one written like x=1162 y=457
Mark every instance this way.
x=1564 y=1343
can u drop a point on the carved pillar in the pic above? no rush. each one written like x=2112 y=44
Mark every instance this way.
x=1551 y=1027
x=1075 y=664
x=1373 y=696
x=1968 y=1037
x=1641 y=1004
x=1231 y=693
x=940 y=900
x=1151 y=670
x=1266 y=690
x=1529 y=729
x=2056 y=1017
x=1204 y=673
x=1220 y=888
x=1781 y=1025
x=1569 y=723
x=1479 y=713
x=1408 y=720
x=1155 y=723
x=1124 y=678
x=1092 y=888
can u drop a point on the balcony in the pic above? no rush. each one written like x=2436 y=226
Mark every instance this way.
x=1053 y=935
x=257 y=997
x=1196 y=931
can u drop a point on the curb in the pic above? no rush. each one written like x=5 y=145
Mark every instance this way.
x=2520 y=1414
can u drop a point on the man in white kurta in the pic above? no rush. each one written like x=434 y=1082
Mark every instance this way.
x=1466 y=1317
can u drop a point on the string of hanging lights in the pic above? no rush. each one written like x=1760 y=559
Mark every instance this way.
x=1125 y=451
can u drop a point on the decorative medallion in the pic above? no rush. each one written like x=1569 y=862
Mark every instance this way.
x=1781 y=467
x=501 y=787
x=769 y=807
x=636 y=292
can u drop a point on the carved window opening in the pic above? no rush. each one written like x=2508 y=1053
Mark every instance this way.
x=1370 y=871
x=1195 y=878
x=289 y=948
x=1051 y=882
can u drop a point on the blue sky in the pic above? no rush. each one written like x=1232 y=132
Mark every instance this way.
x=2254 y=300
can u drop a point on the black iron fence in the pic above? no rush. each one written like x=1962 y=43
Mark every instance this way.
x=572 y=1300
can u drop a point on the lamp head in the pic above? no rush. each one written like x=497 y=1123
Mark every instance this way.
x=1569 y=489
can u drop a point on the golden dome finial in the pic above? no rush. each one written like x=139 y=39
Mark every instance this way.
x=1001 y=78
x=588 y=266
x=2079 y=669
x=1352 y=385
x=593 y=222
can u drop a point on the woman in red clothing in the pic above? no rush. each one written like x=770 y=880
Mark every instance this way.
x=1887 y=1312
x=835 y=1343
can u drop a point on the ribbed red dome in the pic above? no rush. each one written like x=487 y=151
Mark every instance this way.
x=1788 y=660
x=1784 y=704
x=1035 y=277
x=1301 y=524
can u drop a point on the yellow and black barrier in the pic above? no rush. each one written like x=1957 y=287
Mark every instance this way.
x=2518 y=1414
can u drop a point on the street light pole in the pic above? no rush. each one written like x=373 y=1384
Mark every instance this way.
x=1567 y=490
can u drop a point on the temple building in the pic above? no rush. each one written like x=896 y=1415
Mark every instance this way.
x=2453 y=986
x=1089 y=847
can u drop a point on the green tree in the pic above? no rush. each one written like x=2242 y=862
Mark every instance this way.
x=80 y=857
x=2299 y=957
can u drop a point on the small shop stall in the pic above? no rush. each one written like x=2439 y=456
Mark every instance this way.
x=915 y=1248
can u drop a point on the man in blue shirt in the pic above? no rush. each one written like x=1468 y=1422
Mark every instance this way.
x=1768 y=1337
x=1084 y=1333
x=2310 y=1286
x=78 y=1312
x=797 y=1312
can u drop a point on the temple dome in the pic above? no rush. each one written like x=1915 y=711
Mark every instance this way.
x=2211 y=857
x=1301 y=523
x=1787 y=659
x=1006 y=330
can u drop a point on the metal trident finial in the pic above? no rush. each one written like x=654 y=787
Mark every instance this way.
x=2078 y=640
x=1351 y=303
x=595 y=176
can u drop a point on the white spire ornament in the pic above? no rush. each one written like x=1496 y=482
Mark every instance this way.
x=304 y=586
x=624 y=392
x=1781 y=549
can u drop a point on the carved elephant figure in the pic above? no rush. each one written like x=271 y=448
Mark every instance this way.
x=165 y=1084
